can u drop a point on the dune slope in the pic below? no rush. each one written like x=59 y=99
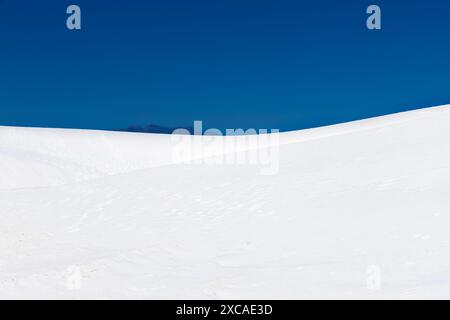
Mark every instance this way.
x=358 y=210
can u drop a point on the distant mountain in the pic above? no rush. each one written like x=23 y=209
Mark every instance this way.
x=153 y=128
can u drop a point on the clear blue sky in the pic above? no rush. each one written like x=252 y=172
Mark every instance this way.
x=285 y=64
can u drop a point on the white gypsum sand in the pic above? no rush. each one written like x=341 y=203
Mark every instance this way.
x=357 y=210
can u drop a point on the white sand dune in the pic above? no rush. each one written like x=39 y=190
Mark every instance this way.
x=357 y=210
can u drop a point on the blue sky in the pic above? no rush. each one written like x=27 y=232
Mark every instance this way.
x=286 y=64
